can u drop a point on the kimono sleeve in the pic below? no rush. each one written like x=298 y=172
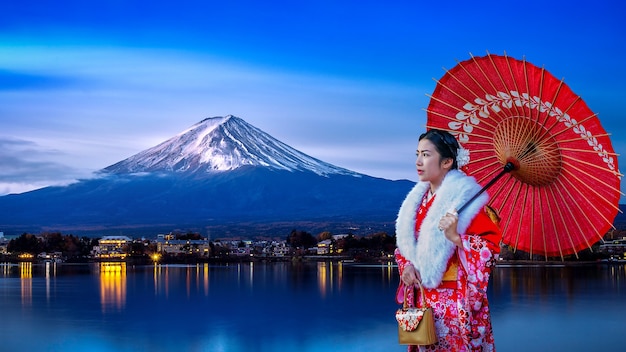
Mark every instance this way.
x=481 y=245
x=401 y=261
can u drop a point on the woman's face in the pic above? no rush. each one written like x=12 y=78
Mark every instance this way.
x=429 y=165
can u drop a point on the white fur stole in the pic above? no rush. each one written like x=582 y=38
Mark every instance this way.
x=432 y=250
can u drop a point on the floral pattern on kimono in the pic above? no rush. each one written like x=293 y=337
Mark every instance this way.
x=461 y=308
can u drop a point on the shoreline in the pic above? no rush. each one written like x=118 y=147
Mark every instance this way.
x=311 y=259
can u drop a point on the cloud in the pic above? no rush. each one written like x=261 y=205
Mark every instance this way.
x=25 y=166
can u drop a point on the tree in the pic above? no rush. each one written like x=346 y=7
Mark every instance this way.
x=53 y=241
x=380 y=242
x=26 y=243
x=218 y=249
x=71 y=246
x=300 y=239
x=326 y=235
x=348 y=243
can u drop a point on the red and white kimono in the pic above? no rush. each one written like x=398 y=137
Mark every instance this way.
x=454 y=279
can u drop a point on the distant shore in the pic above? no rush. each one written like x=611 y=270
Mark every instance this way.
x=306 y=258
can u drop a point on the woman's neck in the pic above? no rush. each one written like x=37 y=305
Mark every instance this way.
x=435 y=184
x=431 y=192
x=434 y=187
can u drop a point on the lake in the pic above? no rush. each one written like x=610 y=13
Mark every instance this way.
x=317 y=306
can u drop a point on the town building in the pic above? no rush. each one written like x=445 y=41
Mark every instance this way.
x=277 y=249
x=168 y=244
x=615 y=249
x=325 y=247
x=4 y=243
x=112 y=247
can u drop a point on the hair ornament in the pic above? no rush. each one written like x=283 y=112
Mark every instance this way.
x=462 y=157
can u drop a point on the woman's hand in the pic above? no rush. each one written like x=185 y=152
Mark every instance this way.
x=410 y=276
x=448 y=224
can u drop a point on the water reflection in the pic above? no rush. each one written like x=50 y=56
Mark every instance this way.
x=329 y=275
x=311 y=306
x=541 y=282
x=322 y=269
x=245 y=274
x=205 y=278
x=26 y=276
x=388 y=271
x=112 y=285
x=51 y=272
x=618 y=275
x=6 y=269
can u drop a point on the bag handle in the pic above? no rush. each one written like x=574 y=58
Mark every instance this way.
x=406 y=294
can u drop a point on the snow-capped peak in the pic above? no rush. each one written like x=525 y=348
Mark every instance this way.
x=221 y=144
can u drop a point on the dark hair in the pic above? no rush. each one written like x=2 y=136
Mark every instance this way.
x=444 y=142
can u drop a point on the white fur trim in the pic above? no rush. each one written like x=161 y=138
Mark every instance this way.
x=432 y=250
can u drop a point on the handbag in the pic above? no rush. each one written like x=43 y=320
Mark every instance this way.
x=416 y=325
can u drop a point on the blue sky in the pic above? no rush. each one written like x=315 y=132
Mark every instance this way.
x=84 y=84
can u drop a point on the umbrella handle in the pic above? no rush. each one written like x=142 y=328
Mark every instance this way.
x=508 y=167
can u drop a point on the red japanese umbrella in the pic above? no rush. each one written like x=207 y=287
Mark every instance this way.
x=535 y=146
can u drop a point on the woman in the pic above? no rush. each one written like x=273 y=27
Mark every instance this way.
x=450 y=254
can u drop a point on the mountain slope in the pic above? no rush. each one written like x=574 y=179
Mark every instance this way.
x=222 y=144
x=222 y=177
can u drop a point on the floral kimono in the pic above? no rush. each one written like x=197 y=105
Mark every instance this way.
x=455 y=279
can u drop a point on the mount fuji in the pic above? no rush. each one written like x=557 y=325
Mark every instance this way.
x=223 y=144
x=222 y=177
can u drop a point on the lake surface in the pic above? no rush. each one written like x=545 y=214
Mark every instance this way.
x=321 y=306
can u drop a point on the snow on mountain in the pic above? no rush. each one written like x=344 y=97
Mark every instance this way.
x=221 y=144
